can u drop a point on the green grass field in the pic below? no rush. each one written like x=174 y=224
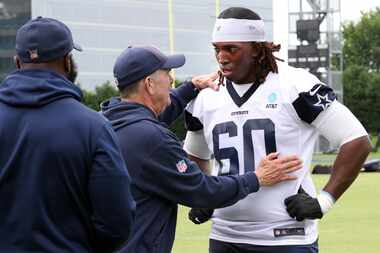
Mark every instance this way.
x=352 y=226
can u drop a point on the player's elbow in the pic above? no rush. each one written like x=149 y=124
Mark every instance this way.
x=363 y=145
x=360 y=146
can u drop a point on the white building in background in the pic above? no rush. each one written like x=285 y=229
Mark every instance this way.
x=13 y=13
x=105 y=27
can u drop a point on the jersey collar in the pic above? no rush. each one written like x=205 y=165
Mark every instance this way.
x=239 y=101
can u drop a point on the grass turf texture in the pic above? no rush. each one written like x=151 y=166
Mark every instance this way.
x=352 y=226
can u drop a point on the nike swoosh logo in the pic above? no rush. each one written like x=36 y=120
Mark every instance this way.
x=312 y=92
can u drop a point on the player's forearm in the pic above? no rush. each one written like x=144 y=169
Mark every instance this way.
x=203 y=164
x=347 y=165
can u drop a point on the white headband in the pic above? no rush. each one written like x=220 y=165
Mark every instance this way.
x=240 y=30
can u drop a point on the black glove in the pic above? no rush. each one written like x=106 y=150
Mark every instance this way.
x=302 y=206
x=200 y=215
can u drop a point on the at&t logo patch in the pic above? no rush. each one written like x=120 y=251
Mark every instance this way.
x=271 y=101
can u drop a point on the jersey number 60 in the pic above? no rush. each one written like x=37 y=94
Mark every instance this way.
x=232 y=154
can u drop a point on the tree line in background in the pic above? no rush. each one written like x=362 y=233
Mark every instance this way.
x=361 y=76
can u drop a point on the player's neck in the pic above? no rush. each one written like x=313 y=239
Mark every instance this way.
x=248 y=79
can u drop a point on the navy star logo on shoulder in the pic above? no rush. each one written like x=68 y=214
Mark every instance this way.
x=323 y=101
x=310 y=104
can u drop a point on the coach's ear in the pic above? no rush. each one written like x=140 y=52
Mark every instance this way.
x=150 y=85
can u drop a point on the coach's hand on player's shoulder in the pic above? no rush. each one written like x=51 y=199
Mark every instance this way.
x=302 y=206
x=273 y=169
x=206 y=81
x=200 y=215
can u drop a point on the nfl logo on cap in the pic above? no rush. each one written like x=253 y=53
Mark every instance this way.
x=181 y=166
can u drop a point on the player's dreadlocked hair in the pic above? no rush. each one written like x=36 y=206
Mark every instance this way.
x=266 y=61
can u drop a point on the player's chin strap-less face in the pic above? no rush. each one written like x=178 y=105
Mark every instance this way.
x=237 y=30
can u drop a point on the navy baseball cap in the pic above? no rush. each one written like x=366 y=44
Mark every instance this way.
x=137 y=62
x=43 y=40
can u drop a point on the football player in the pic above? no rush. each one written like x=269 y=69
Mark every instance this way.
x=267 y=106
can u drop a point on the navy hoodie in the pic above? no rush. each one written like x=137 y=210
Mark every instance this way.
x=64 y=186
x=162 y=175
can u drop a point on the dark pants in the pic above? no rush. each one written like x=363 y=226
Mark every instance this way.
x=227 y=247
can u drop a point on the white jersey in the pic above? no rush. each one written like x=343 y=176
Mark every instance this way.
x=278 y=116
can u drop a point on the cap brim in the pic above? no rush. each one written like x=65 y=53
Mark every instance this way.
x=174 y=61
x=77 y=47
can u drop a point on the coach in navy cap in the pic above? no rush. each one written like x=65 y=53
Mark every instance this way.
x=136 y=63
x=162 y=175
x=64 y=186
x=142 y=73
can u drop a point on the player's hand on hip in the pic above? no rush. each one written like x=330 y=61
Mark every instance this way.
x=200 y=215
x=273 y=170
x=206 y=81
x=302 y=206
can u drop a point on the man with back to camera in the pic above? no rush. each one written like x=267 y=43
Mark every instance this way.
x=268 y=106
x=64 y=186
x=162 y=175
